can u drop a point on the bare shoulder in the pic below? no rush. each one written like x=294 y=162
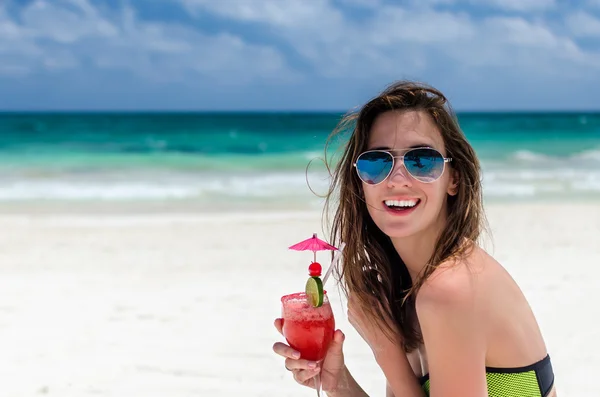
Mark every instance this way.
x=457 y=283
x=476 y=301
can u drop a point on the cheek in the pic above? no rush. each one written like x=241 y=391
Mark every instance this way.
x=369 y=193
x=436 y=193
x=372 y=200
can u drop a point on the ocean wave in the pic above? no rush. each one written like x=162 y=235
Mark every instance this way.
x=539 y=175
x=528 y=156
x=510 y=190
x=549 y=182
x=57 y=190
x=531 y=157
x=312 y=155
x=592 y=155
x=268 y=186
x=165 y=186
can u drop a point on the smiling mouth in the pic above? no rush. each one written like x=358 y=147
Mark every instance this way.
x=401 y=205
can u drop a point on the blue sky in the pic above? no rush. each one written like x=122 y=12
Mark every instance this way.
x=296 y=54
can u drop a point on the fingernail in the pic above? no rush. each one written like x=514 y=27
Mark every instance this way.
x=296 y=355
x=312 y=365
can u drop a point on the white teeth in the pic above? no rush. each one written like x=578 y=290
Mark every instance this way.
x=401 y=203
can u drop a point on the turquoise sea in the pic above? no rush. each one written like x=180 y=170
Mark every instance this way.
x=243 y=159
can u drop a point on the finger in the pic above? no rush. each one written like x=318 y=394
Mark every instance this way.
x=279 y=325
x=285 y=351
x=339 y=337
x=294 y=365
x=304 y=375
x=337 y=344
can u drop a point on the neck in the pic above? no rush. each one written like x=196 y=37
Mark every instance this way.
x=416 y=250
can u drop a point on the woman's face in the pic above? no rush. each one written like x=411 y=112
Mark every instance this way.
x=422 y=205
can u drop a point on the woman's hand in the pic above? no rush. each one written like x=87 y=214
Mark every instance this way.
x=369 y=330
x=389 y=354
x=332 y=368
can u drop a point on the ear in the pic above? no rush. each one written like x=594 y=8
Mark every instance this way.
x=453 y=183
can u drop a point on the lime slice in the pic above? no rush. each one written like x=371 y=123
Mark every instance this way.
x=314 y=291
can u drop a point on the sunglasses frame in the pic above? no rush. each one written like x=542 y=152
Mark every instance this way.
x=446 y=160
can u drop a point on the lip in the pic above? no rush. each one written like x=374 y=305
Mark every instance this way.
x=401 y=198
x=400 y=213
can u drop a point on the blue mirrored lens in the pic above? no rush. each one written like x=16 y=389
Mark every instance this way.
x=374 y=167
x=425 y=165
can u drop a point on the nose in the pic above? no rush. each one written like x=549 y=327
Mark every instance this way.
x=399 y=176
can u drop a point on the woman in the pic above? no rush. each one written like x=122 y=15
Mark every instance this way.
x=441 y=316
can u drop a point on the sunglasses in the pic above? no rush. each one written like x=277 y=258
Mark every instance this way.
x=424 y=164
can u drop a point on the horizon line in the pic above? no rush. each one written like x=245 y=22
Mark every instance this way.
x=274 y=111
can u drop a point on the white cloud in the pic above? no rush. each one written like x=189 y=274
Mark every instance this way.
x=583 y=24
x=525 y=49
x=397 y=25
x=11 y=68
x=50 y=21
x=60 y=59
x=315 y=29
x=291 y=14
x=396 y=40
x=429 y=3
x=65 y=34
x=520 y=5
x=337 y=46
x=520 y=32
x=388 y=42
x=369 y=4
x=8 y=29
x=593 y=3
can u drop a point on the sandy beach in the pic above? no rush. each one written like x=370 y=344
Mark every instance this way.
x=158 y=158
x=182 y=304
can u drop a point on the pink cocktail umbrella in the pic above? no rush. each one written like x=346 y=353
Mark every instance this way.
x=313 y=244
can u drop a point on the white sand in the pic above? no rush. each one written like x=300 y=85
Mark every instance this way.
x=182 y=305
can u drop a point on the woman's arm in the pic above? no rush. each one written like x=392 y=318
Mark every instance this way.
x=350 y=388
x=449 y=313
x=347 y=387
x=389 y=354
x=401 y=380
x=388 y=390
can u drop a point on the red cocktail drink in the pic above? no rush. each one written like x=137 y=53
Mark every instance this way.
x=307 y=329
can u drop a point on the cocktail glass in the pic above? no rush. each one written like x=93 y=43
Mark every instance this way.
x=308 y=329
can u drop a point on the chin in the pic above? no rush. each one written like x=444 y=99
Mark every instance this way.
x=395 y=233
x=396 y=230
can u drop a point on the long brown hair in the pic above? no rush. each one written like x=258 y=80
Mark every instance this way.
x=372 y=270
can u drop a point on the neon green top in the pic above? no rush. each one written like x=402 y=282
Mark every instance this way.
x=535 y=380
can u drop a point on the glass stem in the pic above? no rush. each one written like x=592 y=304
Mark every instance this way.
x=318 y=384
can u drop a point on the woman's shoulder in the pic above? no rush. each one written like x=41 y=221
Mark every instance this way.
x=459 y=282
x=449 y=307
x=477 y=297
